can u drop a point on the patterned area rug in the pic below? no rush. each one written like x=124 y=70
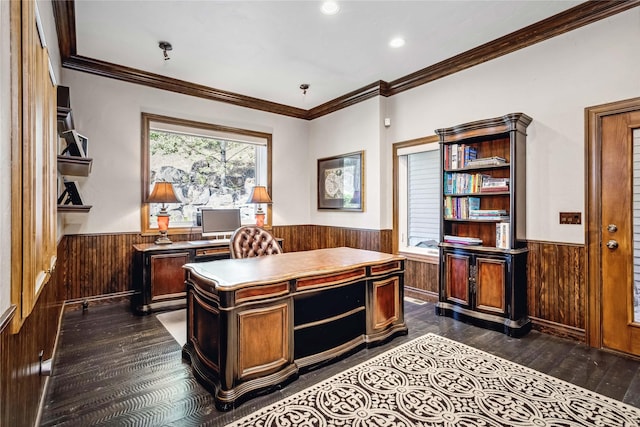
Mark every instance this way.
x=433 y=381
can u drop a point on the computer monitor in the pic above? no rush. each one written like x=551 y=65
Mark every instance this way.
x=219 y=222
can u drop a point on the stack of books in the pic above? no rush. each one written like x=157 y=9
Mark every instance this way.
x=487 y=161
x=467 y=241
x=489 y=214
x=492 y=185
x=502 y=235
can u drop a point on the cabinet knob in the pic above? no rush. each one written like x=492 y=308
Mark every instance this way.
x=612 y=228
x=612 y=244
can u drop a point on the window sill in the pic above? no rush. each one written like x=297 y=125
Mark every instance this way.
x=429 y=258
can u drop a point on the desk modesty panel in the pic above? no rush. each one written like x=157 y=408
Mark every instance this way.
x=254 y=323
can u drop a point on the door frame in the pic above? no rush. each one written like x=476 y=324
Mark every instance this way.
x=593 y=164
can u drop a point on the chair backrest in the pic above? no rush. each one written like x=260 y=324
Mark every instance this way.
x=252 y=241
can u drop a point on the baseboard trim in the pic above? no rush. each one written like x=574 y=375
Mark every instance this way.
x=558 y=329
x=421 y=294
x=84 y=303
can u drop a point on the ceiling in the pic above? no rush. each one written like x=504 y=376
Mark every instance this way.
x=266 y=49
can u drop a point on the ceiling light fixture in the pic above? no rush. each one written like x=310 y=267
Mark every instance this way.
x=330 y=7
x=304 y=87
x=165 y=46
x=396 y=42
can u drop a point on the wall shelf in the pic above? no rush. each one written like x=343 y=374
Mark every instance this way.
x=74 y=208
x=73 y=165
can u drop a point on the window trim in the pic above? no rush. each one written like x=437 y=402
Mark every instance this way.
x=422 y=255
x=146 y=120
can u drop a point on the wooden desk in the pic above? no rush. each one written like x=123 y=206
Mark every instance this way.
x=254 y=323
x=158 y=275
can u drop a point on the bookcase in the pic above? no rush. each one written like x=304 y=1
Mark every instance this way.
x=72 y=160
x=483 y=249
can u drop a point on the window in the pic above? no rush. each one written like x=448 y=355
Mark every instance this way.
x=418 y=196
x=209 y=166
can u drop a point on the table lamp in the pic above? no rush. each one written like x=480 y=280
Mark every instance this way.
x=163 y=193
x=258 y=196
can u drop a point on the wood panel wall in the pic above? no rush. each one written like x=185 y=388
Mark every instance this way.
x=21 y=385
x=556 y=292
x=421 y=279
x=99 y=265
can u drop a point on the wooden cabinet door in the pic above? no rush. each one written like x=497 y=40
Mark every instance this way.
x=167 y=275
x=457 y=278
x=490 y=281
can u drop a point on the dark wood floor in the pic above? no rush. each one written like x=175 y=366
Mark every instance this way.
x=115 y=368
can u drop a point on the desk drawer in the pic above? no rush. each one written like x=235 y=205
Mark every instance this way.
x=211 y=253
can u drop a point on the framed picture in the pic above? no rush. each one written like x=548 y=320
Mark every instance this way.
x=340 y=182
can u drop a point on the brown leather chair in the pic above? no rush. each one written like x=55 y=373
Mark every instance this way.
x=252 y=241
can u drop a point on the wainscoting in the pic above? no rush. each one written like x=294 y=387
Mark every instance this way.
x=421 y=279
x=21 y=385
x=556 y=293
x=101 y=265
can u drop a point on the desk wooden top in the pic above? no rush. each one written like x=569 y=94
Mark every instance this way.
x=181 y=245
x=234 y=273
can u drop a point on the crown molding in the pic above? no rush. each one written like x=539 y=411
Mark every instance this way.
x=571 y=19
x=133 y=75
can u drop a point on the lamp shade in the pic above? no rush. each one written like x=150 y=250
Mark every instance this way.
x=163 y=193
x=259 y=195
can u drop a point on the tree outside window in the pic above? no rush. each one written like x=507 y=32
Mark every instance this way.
x=209 y=166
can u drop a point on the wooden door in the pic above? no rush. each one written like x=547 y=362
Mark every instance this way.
x=620 y=213
x=167 y=275
x=491 y=285
x=457 y=278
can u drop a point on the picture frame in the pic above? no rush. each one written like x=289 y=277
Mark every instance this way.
x=341 y=182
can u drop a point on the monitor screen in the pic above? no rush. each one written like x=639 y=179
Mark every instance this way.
x=216 y=222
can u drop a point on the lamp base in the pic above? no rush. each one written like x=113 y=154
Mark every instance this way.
x=164 y=240
x=260 y=219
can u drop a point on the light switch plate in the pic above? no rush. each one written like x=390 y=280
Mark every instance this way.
x=570 y=217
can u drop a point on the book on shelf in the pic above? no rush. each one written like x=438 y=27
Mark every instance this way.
x=77 y=145
x=459 y=240
x=489 y=214
x=463 y=183
x=502 y=235
x=459 y=207
x=457 y=156
x=487 y=161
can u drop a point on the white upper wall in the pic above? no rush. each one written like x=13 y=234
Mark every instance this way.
x=553 y=82
x=345 y=131
x=108 y=112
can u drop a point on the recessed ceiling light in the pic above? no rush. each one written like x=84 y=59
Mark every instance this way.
x=396 y=42
x=330 y=7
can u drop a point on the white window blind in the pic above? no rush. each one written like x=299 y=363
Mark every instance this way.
x=423 y=198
